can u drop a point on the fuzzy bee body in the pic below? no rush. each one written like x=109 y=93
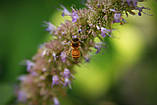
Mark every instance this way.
x=75 y=44
x=75 y=53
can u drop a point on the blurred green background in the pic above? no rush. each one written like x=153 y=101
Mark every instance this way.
x=125 y=73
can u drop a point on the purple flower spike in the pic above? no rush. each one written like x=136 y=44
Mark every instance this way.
x=74 y=16
x=67 y=82
x=55 y=80
x=56 y=101
x=29 y=65
x=104 y=32
x=63 y=56
x=50 y=27
x=66 y=73
x=65 y=11
x=117 y=17
x=22 y=97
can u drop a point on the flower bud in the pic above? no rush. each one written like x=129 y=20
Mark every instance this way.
x=66 y=73
x=29 y=64
x=63 y=56
x=56 y=101
x=50 y=27
x=67 y=82
x=65 y=11
x=55 y=80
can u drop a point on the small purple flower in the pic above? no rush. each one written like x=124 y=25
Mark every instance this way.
x=133 y=1
x=22 y=78
x=74 y=16
x=139 y=13
x=22 y=96
x=117 y=17
x=75 y=36
x=128 y=1
x=104 y=32
x=98 y=5
x=54 y=56
x=140 y=10
x=87 y=59
x=55 y=80
x=49 y=60
x=33 y=73
x=66 y=73
x=65 y=11
x=67 y=82
x=98 y=46
x=124 y=20
x=63 y=56
x=113 y=10
x=50 y=27
x=42 y=78
x=44 y=52
x=56 y=101
x=80 y=30
x=98 y=27
x=44 y=69
x=41 y=45
x=29 y=64
x=65 y=42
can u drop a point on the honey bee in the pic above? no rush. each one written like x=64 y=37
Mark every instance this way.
x=75 y=44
